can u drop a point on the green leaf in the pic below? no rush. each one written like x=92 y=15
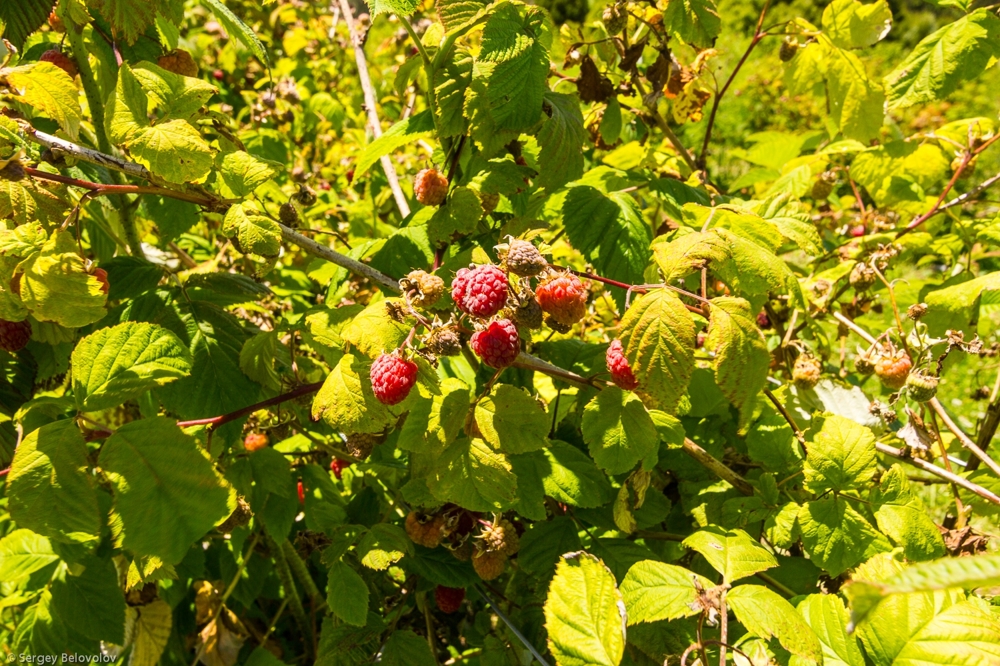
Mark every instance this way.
x=456 y=13
x=544 y=544
x=836 y=536
x=174 y=96
x=958 y=52
x=658 y=337
x=852 y=25
x=120 y=363
x=237 y=28
x=696 y=22
x=174 y=151
x=573 y=478
x=414 y=128
x=51 y=491
x=560 y=159
x=167 y=492
x=49 y=90
x=957 y=306
x=841 y=455
x=655 y=591
x=584 y=613
x=767 y=614
x=57 y=287
x=610 y=231
x=243 y=173
x=433 y=424
x=405 y=648
x=472 y=475
x=347 y=594
x=512 y=421
x=856 y=101
x=459 y=216
x=793 y=222
x=382 y=545
x=374 y=332
x=742 y=360
x=251 y=231
x=827 y=616
x=129 y=277
x=453 y=77
x=260 y=356
x=685 y=254
x=128 y=18
x=902 y=517
x=942 y=574
x=346 y=401
x=618 y=430
x=40 y=632
x=20 y=19
x=732 y=553
x=91 y=600
x=22 y=553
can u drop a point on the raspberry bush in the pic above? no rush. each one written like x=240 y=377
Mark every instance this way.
x=570 y=333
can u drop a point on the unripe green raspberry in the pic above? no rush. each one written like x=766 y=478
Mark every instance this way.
x=921 y=386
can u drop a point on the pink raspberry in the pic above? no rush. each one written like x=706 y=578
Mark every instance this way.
x=564 y=298
x=14 y=335
x=480 y=291
x=392 y=378
x=60 y=60
x=430 y=187
x=621 y=374
x=337 y=466
x=497 y=345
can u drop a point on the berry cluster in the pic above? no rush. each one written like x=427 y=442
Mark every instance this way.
x=487 y=544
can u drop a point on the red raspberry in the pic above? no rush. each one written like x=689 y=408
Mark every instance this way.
x=14 y=335
x=621 y=374
x=564 y=298
x=102 y=277
x=392 y=378
x=480 y=291
x=255 y=441
x=892 y=368
x=448 y=599
x=430 y=187
x=60 y=60
x=301 y=490
x=497 y=345
x=337 y=466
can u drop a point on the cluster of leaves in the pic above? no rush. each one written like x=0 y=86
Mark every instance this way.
x=209 y=233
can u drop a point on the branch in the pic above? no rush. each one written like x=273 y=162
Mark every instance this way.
x=716 y=467
x=900 y=454
x=373 y=121
x=854 y=327
x=986 y=430
x=342 y=260
x=510 y=625
x=529 y=362
x=86 y=154
x=658 y=120
x=216 y=421
x=936 y=405
x=100 y=189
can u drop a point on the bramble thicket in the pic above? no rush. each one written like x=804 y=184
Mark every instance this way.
x=489 y=333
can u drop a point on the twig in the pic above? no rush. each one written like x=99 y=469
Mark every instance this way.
x=510 y=625
x=989 y=425
x=370 y=107
x=101 y=189
x=787 y=415
x=723 y=628
x=85 y=154
x=963 y=198
x=529 y=362
x=900 y=454
x=660 y=122
x=966 y=441
x=854 y=327
x=717 y=467
x=780 y=587
x=216 y=421
x=342 y=260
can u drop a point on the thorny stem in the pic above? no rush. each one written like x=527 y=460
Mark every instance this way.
x=892 y=301
x=100 y=189
x=723 y=628
x=757 y=36
x=216 y=421
x=902 y=455
x=966 y=441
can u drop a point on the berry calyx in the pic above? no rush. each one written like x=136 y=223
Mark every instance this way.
x=892 y=368
x=564 y=298
x=60 y=60
x=523 y=258
x=480 y=291
x=180 y=62
x=392 y=378
x=807 y=371
x=430 y=187
x=255 y=441
x=422 y=288
x=337 y=466
x=498 y=344
x=449 y=599
x=621 y=373
x=14 y=335
x=921 y=386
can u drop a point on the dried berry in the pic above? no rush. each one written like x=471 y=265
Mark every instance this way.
x=480 y=291
x=524 y=259
x=614 y=18
x=288 y=215
x=921 y=386
x=498 y=345
x=564 y=298
x=807 y=371
x=789 y=47
x=423 y=289
x=529 y=313
x=444 y=341
x=430 y=187
x=240 y=517
x=916 y=311
x=823 y=185
x=863 y=276
x=14 y=335
x=863 y=363
x=392 y=378
x=13 y=171
x=621 y=373
x=488 y=564
x=180 y=62
x=448 y=599
x=255 y=441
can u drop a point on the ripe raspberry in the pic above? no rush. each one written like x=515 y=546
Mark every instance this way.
x=444 y=341
x=564 y=298
x=423 y=288
x=529 y=314
x=337 y=466
x=823 y=185
x=392 y=378
x=60 y=60
x=287 y=215
x=14 y=335
x=921 y=387
x=621 y=373
x=424 y=528
x=763 y=320
x=807 y=371
x=102 y=277
x=488 y=565
x=180 y=62
x=255 y=441
x=857 y=231
x=498 y=345
x=360 y=444
x=240 y=516
x=13 y=171
x=501 y=538
x=480 y=291
x=892 y=368
x=789 y=47
x=524 y=259
x=614 y=18
x=430 y=187
x=449 y=599
x=301 y=491
x=862 y=276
